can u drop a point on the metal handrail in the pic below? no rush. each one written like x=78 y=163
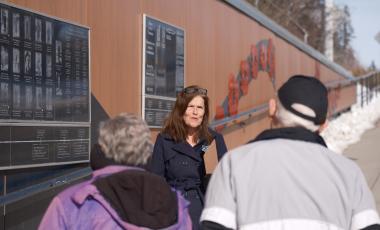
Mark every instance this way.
x=367 y=75
x=339 y=83
x=41 y=187
x=260 y=108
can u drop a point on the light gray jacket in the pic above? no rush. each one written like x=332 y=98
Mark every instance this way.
x=288 y=184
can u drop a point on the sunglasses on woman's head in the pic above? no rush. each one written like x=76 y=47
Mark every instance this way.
x=195 y=90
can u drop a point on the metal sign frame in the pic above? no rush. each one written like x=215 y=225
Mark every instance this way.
x=71 y=129
x=164 y=101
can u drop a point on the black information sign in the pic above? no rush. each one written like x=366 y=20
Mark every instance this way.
x=163 y=69
x=44 y=90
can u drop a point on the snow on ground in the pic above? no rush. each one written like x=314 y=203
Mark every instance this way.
x=348 y=128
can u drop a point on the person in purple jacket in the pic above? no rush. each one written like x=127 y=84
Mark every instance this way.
x=120 y=194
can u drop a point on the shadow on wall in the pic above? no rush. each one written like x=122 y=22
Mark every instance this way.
x=98 y=114
x=27 y=212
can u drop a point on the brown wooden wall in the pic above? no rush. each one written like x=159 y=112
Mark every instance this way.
x=217 y=38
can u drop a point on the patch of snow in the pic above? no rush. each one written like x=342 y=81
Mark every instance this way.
x=348 y=128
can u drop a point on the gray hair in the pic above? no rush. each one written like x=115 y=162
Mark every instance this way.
x=289 y=119
x=126 y=139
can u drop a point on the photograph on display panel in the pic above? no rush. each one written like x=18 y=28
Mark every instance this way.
x=38 y=64
x=48 y=66
x=16 y=25
x=16 y=61
x=27 y=62
x=4 y=13
x=4 y=58
x=38 y=30
x=27 y=27
x=4 y=92
x=49 y=33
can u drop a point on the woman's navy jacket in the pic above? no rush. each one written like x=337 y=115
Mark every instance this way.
x=180 y=163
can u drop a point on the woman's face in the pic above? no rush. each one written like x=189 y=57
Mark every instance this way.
x=194 y=113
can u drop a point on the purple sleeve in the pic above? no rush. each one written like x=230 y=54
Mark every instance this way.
x=54 y=217
x=184 y=219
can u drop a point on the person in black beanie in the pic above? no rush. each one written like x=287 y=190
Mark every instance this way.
x=287 y=178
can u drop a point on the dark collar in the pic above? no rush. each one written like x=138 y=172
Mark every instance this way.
x=185 y=148
x=167 y=136
x=294 y=133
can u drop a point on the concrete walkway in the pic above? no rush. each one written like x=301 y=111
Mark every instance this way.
x=366 y=154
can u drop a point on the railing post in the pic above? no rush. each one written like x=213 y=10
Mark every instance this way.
x=375 y=87
x=370 y=84
x=378 y=82
x=367 y=96
x=361 y=92
x=369 y=88
x=375 y=84
x=365 y=90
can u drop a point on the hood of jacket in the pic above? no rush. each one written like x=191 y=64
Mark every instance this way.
x=134 y=198
x=140 y=198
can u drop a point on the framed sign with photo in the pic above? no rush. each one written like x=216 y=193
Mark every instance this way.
x=44 y=90
x=163 y=69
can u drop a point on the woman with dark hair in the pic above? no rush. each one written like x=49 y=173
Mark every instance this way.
x=180 y=147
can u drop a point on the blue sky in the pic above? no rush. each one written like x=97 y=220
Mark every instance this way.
x=365 y=19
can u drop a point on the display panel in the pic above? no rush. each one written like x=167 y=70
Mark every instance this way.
x=44 y=89
x=163 y=69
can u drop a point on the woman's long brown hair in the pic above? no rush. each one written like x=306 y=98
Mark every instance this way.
x=175 y=126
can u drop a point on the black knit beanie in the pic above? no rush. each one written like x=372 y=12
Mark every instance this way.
x=307 y=91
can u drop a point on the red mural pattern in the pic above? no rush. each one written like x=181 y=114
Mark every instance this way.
x=254 y=62
x=261 y=58
x=244 y=70
x=233 y=95
x=271 y=60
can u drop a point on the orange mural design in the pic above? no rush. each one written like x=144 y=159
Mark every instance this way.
x=254 y=62
x=219 y=114
x=271 y=60
x=261 y=58
x=233 y=95
x=244 y=70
